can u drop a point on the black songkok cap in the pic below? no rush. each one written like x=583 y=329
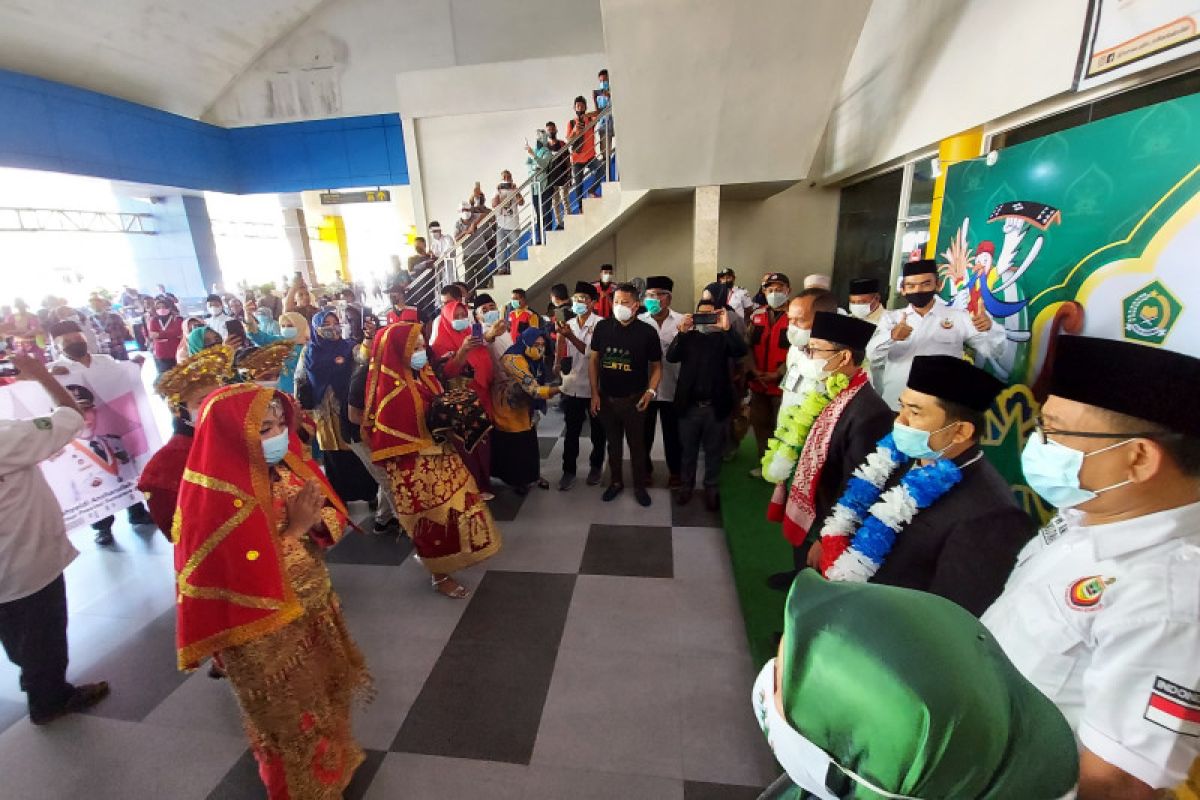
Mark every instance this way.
x=955 y=381
x=864 y=286
x=583 y=287
x=661 y=282
x=926 y=266
x=1135 y=379
x=483 y=300
x=847 y=331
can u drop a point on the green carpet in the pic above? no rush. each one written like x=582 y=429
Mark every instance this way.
x=757 y=549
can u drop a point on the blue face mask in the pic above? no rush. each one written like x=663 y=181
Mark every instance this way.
x=460 y=324
x=1052 y=470
x=579 y=309
x=652 y=304
x=514 y=304
x=419 y=360
x=275 y=448
x=915 y=443
x=287 y=333
x=491 y=317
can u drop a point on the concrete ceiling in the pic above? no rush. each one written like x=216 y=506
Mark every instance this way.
x=177 y=55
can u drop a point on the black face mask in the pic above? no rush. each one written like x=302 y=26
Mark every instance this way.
x=919 y=299
x=75 y=350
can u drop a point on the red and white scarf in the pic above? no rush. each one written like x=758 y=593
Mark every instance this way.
x=800 y=511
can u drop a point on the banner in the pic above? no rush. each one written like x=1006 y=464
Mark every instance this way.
x=96 y=474
x=1125 y=36
x=1106 y=215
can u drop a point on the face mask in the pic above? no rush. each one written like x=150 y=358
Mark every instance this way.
x=623 y=313
x=465 y=215
x=75 y=350
x=460 y=324
x=605 y=277
x=215 y=310
x=419 y=359
x=328 y=333
x=805 y=763
x=491 y=317
x=814 y=368
x=163 y=312
x=798 y=336
x=860 y=310
x=915 y=443
x=652 y=304
x=275 y=448
x=919 y=299
x=287 y=333
x=776 y=299
x=514 y=304
x=534 y=352
x=1052 y=470
x=579 y=309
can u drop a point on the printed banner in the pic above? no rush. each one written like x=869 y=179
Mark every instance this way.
x=96 y=474
x=1126 y=36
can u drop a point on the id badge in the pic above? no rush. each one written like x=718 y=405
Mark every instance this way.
x=791 y=381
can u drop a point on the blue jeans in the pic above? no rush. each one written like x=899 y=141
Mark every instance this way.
x=507 y=242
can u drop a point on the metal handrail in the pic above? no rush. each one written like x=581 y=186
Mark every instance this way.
x=470 y=260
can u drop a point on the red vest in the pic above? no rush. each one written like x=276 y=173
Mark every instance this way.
x=604 y=306
x=520 y=319
x=769 y=345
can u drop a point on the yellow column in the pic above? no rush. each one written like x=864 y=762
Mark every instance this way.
x=333 y=230
x=963 y=147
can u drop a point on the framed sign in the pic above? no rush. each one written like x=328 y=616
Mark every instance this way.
x=1126 y=36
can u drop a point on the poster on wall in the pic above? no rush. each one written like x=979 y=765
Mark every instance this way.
x=96 y=474
x=1093 y=230
x=1125 y=36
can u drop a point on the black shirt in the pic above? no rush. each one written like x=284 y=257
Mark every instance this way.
x=704 y=372
x=626 y=352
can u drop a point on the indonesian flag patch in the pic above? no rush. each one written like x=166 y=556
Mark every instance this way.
x=1174 y=707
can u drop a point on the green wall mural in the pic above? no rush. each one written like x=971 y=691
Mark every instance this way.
x=1105 y=215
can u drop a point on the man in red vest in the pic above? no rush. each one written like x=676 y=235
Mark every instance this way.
x=605 y=288
x=768 y=348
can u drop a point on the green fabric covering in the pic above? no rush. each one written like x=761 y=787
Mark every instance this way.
x=911 y=692
x=195 y=340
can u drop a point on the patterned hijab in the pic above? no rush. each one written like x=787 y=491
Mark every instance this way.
x=231 y=584
x=398 y=399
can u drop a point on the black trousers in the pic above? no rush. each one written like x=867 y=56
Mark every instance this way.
x=700 y=427
x=577 y=411
x=107 y=522
x=33 y=631
x=623 y=422
x=164 y=364
x=670 y=424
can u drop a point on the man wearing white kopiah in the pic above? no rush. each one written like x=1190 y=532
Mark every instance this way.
x=925 y=327
x=1102 y=612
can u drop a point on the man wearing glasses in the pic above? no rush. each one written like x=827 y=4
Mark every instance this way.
x=1102 y=613
x=926 y=327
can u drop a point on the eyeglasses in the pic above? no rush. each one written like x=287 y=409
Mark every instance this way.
x=808 y=350
x=1043 y=432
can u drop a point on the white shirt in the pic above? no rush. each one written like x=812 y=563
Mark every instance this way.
x=942 y=332
x=667 y=331
x=34 y=549
x=439 y=246
x=506 y=209
x=794 y=387
x=217 y=323
x=577 y=383
x=740 y=300
x=1105 y=621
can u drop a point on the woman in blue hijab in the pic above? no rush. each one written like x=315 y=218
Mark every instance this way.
x=323 y=386
x=518 y=399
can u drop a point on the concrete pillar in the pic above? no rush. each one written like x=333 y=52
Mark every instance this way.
x=706 y=238
x=296 y=230
x=182 y=253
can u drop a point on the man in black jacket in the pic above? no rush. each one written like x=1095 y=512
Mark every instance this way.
x=704 y=396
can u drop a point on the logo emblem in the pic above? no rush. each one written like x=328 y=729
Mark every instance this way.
x=1174 y=707
x=1085 y=593
x=1150 y=313
x=947 y=323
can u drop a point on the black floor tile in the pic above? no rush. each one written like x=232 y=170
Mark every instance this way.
x=546 y=444
x=484 y=697
x=695 y=790
x=507 y=504
x=639 y=551
x=694 y=514
x=243 y=783
x=370 y=549
x=143 y=672
x=364 y=776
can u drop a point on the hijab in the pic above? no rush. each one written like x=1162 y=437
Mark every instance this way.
x=328 y=362
x=270 y=326
x=449 y=340
x=398 y=399
x=195 y=340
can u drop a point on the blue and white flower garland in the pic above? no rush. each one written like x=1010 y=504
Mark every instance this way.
x=873 y=517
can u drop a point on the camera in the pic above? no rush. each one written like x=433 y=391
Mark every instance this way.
x=702 y=318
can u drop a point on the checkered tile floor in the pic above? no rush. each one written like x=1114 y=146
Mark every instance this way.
x=602 y=655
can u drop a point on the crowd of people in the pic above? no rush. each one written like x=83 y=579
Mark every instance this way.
x=490 y=229
x=868 y=423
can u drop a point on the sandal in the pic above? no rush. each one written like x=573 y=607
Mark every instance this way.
x=459 y=593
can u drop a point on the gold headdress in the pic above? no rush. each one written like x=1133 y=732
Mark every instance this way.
x=265 y=363
x=212 y=366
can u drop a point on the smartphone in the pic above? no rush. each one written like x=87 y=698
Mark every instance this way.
x=477 y=330
x=8 y=369
x=563 y=314
x=234 y=328
x=709 y=318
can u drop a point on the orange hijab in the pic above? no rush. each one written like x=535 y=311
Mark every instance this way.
x=231 y=587
x=397 y=400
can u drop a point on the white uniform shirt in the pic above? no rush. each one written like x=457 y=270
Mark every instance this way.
x=740 y=301
x=218 y=323
x=667 y=332
x=34 y=549
x=794 y=387
x=577 y=383
x=1105 y=621
x=941 y=332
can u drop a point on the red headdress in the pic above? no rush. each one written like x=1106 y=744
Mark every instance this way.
x=397 y=400
x=231 y=587
x=480 y=358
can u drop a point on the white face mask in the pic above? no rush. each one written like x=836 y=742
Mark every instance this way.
x=605 y=277
x=860 y=310
x=814 y=368
x=798 y=336
x=623 y=313
x=776 y=299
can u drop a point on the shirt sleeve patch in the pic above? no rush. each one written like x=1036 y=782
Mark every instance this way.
x=1174 y=707
x=43 y=424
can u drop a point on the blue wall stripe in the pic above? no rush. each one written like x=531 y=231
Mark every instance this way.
x=50 y=126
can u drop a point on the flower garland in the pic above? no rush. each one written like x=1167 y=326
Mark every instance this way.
x=874 y=518
x=795 y=422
